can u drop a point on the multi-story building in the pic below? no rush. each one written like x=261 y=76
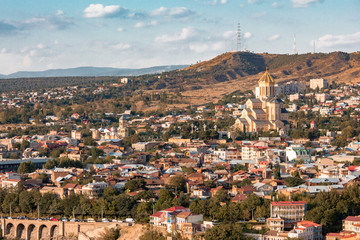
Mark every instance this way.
x=94 y=189
x=350 y=222
x=306 y=230
x=290 y=88
x=321 y=97
x=286 y=214
x=175 y=218
x=252 y=152
x=318 y=83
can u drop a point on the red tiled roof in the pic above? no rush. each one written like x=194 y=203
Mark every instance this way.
x=288 y=203
x=308 y=224
x=157 y=214
x=353 y=218
x=172 y=209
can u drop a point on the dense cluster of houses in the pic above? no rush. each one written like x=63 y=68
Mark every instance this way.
x=217 y=160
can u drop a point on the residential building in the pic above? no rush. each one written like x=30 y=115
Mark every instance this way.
x=318 y=83
x=94 y=189
x=306 y=230
x=290 y=212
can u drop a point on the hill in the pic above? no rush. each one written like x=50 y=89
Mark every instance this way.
x=208 y=81
x=92 y=72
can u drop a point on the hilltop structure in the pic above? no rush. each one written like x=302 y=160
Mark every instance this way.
x=265 y=112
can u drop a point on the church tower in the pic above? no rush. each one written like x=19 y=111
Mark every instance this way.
x=122 y=129
x=266 y=85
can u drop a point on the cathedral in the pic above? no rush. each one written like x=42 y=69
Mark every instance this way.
x=265 y=112
x=112 y=133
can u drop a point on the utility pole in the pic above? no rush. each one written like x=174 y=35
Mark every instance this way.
x=10 y=210
x=74 y=212
x=38 y=211
x=102 y=212
x=252 y=214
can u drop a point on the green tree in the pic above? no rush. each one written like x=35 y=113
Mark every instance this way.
x=135 y=184
x=293 y=181
x=24 y=145
x=348 y=132
x=225 y=232
x=177 y=182
x=26 y=167
x=143 y=212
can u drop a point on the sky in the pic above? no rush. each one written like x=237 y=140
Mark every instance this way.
x=51 y=34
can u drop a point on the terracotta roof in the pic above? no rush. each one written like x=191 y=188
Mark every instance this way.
x=157 y=214
x=287 y=203
x=353 y=218
x=183 y=214
x=176 y=208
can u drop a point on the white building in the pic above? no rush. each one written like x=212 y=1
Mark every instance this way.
x=318 y=83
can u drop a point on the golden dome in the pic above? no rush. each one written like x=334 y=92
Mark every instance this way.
x=266 y=78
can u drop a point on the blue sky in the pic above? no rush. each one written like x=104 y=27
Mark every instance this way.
x=47 y=34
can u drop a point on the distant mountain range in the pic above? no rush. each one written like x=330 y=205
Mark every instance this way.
x=92 y=72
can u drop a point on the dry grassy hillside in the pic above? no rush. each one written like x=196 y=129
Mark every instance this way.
x=209 y=81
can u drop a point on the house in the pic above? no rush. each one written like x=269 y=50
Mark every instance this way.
x=94 y=189
x=177 y=218
x=306 y=230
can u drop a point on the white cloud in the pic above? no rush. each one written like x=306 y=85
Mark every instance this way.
x=59 y=12
x=146 y=24
x=176 y=12
x=303 y=3
x=229 y=34
x=201 y=47
x=40 y=46
x=58 y=21
x=186 y=33
x=348 y=41
x=121 y=46
x=4 y=50
x=247 y=35
x=274 y=37
x=101 y=11
x=120 y=29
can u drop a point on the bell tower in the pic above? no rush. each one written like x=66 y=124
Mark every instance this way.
x=266 y=86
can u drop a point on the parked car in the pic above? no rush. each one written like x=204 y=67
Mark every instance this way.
x=105 y=220
x=54 y=219
x=64 y=219
x=90 y=220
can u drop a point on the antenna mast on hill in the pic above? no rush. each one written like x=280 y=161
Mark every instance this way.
x=294 y=48
x=314 y=46
x=238 y=37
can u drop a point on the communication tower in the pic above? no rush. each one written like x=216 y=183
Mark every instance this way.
x=238 y=37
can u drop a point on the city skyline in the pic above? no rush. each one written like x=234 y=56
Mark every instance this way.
x=133 y=34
